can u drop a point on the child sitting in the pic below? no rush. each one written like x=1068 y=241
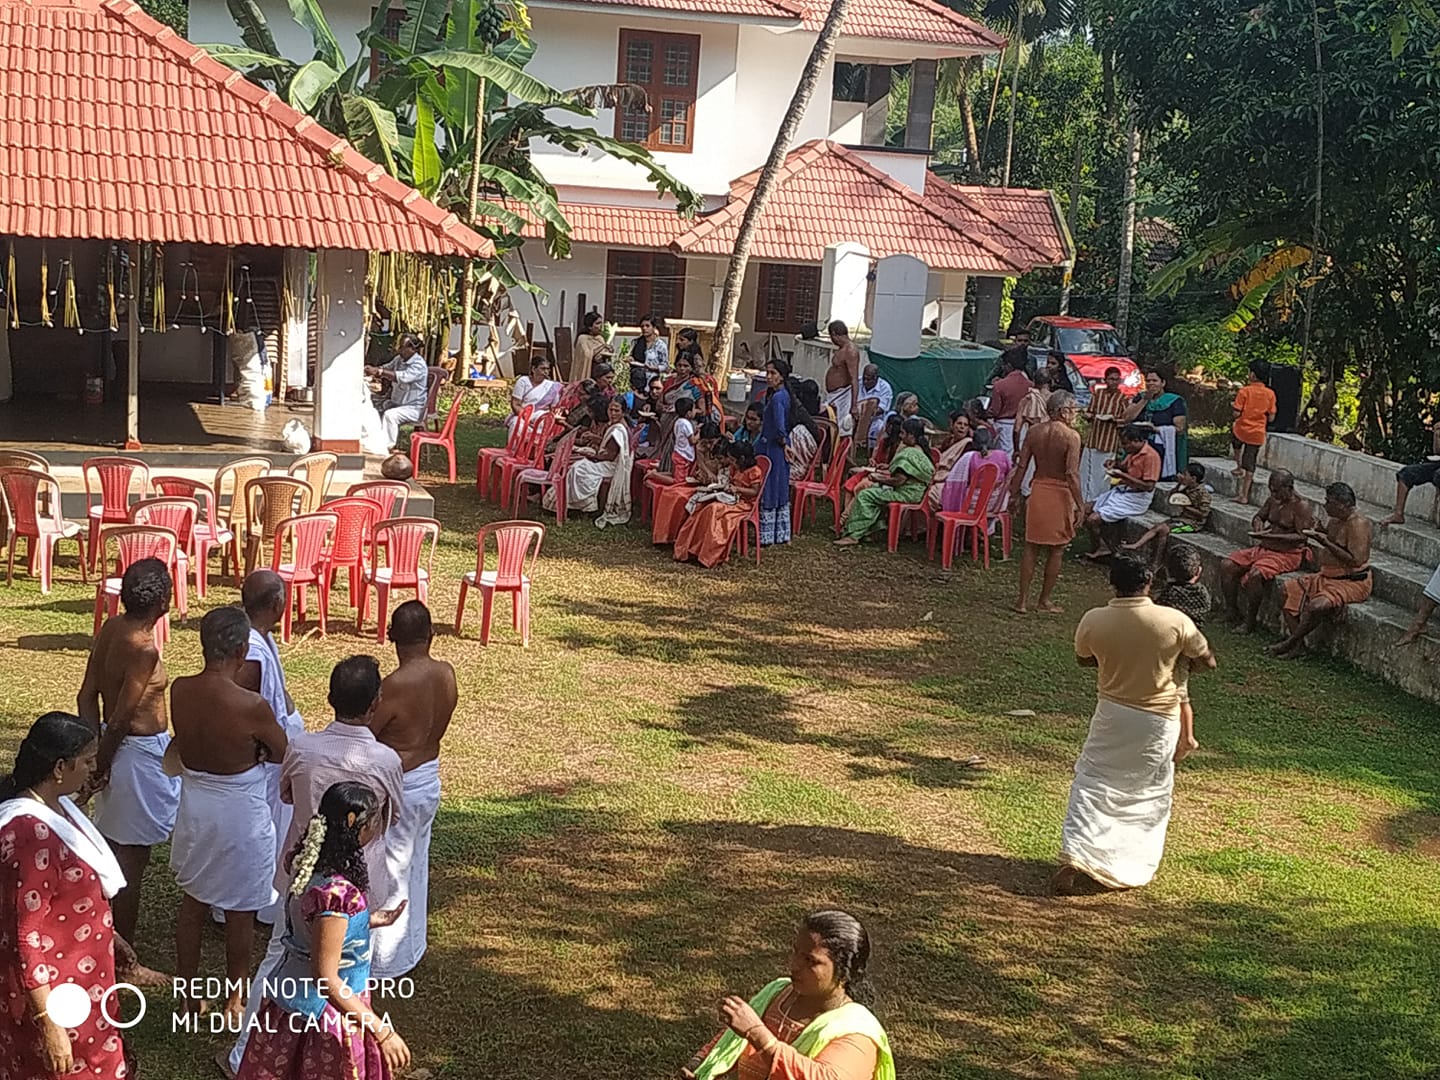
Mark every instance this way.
x=1183 y=592
x=1189 y=511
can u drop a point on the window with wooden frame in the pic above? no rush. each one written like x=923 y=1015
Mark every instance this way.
x=788 y=298
x=667 y=68
x=394 y=19
x=639 y=283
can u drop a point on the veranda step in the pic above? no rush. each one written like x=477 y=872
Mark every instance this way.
x=1365 y=634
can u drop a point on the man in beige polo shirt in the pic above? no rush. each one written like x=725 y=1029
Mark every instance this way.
x=1114 y=832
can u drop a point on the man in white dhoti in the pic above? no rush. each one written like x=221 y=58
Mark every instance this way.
x=1134 y=478
x=407 y=379
x=314 y=761
x=416 y=704
x=873 y=386
x=135 y=808
x=223 y=849
x=263 y=596
x=842 y=378
x=1114 y=831
x=1006 y=394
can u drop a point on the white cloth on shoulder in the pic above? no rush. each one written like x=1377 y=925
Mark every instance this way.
x=137 y=806
x=399 y=947
x=1168 y=462
x=1005 y=436
x=76 y=832
x=1094 y=481
x=223 y=851
x=1121 y=504
x=1120 y=798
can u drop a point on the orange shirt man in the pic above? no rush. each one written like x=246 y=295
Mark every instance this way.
x=1254 y=409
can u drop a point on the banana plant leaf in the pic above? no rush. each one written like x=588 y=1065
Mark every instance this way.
x=503 y=74
x=309 y=82
x=309 y=15
x=254 y=29
x=373 y=130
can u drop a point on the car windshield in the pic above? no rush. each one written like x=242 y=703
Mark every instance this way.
x=1077 y=342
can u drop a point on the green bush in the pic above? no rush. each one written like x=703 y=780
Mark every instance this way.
x=1205 y=345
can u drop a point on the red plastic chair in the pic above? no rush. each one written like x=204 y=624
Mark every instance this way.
x=810 y=492
x=309 y=563
x=356 y=518
x=490 y=456
x=437 y=376
x=114 y=477
x=178 y=515
x=754 y=519
x=553 y=477
x=132 y=543
x=532 y=456
x=1001 y=513
x=34 y=501
x=514 y=564
x=445 y=437
x=403 y=543
x=210 y=530
x=388 y=493
x=974 y=515
x=915 y=513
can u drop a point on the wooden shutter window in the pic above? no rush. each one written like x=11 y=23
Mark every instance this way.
x=640 y=283
x=666 y=67
x=788 y=297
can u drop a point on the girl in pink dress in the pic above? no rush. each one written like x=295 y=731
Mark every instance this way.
x=57 y=876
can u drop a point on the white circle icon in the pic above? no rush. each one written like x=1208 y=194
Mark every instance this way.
x=114 y=991
x=68 y=1005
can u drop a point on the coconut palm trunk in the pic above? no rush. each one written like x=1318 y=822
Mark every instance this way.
x=740 y=254
x=467 y=289
x=1014 y=89
x=1127 y=224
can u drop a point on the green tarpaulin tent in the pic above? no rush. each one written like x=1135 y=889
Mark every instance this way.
x=945 y=375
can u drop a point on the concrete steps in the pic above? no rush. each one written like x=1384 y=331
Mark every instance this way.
x=1403 y=559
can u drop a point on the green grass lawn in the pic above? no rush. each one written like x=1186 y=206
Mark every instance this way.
x=639 y=806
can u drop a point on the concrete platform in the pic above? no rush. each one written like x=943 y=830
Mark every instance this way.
x=1373 y=478
x=1367 y=632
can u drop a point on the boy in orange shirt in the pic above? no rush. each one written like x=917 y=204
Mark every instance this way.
x=1254 y=408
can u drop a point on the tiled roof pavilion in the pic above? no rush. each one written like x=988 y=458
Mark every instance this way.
x=113 y=127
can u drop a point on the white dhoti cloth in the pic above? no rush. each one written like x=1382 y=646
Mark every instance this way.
x=223 y=851
x=138 y=805
x=396 y=415
x=1432 y=587
x=842 y=401
x=1120 y=798
x=1093 y=480
x=1005 y=436
x=1169 y=463
x=1120 y=504
x=280 y=813
x=399 y=947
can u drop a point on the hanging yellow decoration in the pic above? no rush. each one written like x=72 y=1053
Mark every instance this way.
x=227 y=303
x=45 y=288
x=11 y=303
x=110 y=288
x=157 y=291
x=72 y=309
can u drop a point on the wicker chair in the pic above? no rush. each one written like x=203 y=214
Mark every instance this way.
x=269 y=500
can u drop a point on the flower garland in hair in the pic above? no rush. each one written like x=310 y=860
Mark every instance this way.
x=309 y=855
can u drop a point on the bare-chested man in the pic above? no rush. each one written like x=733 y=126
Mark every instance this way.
x=842 y=377
x=1054 y=508
x=125 y=684
x=1279 y=534
x=223 y=852
x=417 y=701
x=1343 y=549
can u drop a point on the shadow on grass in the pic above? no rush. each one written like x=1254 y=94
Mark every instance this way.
x=54 y=642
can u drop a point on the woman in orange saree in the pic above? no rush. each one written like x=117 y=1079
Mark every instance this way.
x=712 y=463
x=709 y=530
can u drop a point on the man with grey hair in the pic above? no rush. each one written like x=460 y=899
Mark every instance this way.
x=1054 y=508
x=263 y=597
x=873 y=386
x=223 y=848
x=406 y=378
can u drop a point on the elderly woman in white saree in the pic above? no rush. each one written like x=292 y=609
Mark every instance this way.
x=536 y=389
x=1115 y=824
x=612 y=461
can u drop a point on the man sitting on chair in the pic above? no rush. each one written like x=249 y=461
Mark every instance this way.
x=407 y=378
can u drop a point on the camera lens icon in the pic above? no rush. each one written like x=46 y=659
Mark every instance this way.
x=69 y=1005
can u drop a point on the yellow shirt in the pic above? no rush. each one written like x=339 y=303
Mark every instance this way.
x=1138 y=644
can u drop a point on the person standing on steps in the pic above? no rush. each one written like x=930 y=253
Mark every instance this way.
x=1412 y=476
x=1254 y=408
x=416 y=703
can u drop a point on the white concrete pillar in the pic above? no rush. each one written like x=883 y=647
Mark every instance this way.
x=952 y=306
x=340 y=376
x=844 y=281
x=899 y=311
x=296 y=332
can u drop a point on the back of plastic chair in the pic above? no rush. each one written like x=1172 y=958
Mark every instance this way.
x=519 y=429
x=308 y=534
x=977 y=494
x=355 y=518
x=514 y=555
x=238 y=473
x=448 y=431
x=23 y=459
x=835 y=471
x=388 y=493
x=275 y=498
x=315 y=469
x=136 y=542
x=23 y=487
x=403 y=540
x=168 y=512
x=182 y=487
x=432 y=393
x=114 y=476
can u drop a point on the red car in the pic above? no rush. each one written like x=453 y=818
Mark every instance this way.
x=1091 y=345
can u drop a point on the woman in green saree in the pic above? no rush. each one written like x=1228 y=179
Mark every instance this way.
x=812 y=1026
x=906 y=477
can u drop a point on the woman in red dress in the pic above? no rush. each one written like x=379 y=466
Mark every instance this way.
x=56 y=879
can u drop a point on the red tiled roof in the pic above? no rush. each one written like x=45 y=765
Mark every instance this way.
x=1027 y=216
x=115 y=127
x=887 y=20
x=617 y=226
x=827 y=194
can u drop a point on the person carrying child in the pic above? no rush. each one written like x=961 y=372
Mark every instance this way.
x=1189 y=513
x=1184 y=592
x=1254 y=408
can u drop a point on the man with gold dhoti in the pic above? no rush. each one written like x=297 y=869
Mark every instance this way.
x=1343 y=549
x=1054 y=508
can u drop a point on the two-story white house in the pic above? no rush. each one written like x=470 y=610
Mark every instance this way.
x=719 y=76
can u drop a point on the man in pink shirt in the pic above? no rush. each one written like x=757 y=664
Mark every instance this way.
x=344 y=750
x=1005 y=398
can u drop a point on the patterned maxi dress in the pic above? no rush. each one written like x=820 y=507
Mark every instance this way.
x=775 y=497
